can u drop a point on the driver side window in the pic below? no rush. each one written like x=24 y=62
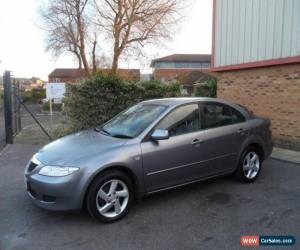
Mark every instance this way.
x=183 y=120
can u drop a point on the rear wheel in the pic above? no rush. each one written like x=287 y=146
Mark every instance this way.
x=249 y=166
x=110 y=196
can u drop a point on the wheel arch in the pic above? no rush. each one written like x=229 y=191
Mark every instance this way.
x=126 y=170
x=260 y=149
x=257 y=143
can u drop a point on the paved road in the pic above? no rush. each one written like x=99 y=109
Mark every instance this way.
x=210 y=215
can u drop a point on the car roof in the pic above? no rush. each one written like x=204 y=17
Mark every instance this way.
x=174 y=102
x=184 y=100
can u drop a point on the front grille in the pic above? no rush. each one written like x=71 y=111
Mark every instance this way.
x=32 y=166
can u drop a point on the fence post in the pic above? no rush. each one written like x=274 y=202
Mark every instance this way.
x=19 y=125
x=8 y=108
x=16 y=108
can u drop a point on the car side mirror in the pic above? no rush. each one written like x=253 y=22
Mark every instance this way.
x=160 y=134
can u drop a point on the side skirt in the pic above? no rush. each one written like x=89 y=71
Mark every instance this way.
x=189 y=182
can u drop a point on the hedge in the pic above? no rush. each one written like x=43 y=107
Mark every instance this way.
x=207 y=89
x=34 y=95
x=57 y=107
x=101 y=97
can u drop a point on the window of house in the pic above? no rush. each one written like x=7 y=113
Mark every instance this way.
x=183 y=120
x=180 y=65
x=56 y=80
x=218 y=115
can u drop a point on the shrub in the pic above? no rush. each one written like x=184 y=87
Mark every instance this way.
x=207 y=89
x=55 y=106
x=34 y=95
x=157 y=89
x=61 y=131
x=98 y=99
x=101 y=97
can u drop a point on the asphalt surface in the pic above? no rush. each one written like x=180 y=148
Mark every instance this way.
x=209 y=215
x=2 y=129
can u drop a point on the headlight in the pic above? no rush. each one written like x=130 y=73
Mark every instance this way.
x=57 y=171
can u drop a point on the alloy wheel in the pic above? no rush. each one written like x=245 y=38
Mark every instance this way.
x=112 y=198
x=251 y=165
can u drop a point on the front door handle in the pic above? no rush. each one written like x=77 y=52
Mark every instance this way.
x=196 y=142
x=242 y=131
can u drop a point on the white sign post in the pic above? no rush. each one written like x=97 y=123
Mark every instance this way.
x=54 y=91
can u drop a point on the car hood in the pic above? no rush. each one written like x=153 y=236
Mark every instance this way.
x=77 y=148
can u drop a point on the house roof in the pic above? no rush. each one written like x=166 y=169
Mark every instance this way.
x=79 y=73
x=183 y=58
x=72 y=73
x=193 y=77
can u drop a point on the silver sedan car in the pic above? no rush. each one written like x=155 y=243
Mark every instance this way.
x=153 y=146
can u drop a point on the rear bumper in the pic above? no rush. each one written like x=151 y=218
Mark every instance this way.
x=269 y=149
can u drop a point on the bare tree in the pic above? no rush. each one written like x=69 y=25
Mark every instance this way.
x=133 y=23
x=67 y=26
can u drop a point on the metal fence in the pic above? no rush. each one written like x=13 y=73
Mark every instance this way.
x=12 y=113
x=12 y=109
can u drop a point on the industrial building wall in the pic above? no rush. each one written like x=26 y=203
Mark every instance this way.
x=255 y=30
x=272 y=92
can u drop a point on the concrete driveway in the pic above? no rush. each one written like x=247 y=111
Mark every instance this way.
x=209 y=215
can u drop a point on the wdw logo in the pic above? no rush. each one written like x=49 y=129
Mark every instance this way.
x=249 y=240
x=255 y=240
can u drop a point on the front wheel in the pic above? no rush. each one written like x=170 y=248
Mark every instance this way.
x=109 y=196
x=249 y=166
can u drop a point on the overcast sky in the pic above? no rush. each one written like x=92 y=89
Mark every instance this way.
x=22 y=48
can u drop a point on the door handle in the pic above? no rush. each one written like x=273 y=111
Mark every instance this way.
x=242 y=131
x=196 y=142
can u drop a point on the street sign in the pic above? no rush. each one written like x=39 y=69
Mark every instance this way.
x=55 y=90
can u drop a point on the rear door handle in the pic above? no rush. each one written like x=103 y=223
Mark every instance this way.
x=196 y=142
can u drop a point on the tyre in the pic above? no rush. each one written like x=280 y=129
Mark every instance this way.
x=249 y=166
x=109 y=196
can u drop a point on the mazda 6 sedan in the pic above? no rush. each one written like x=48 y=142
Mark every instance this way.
x=153 y=146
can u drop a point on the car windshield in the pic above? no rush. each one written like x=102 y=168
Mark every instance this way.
x=133 y=121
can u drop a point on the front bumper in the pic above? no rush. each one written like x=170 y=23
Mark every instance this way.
x=54 y=193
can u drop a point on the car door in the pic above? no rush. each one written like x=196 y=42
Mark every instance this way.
x=226 y=130
x=178 y=159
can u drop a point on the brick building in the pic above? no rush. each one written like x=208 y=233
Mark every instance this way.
x=76 y=75
x=170 y=67
x=256 y=54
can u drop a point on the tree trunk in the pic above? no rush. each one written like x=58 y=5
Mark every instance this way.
x=94 y=56
x=114 y=67
x=79 y=60
x=81 y=40
x=83 y=57
x=115 y=63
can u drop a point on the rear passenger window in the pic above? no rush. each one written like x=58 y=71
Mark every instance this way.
x=218 y=115
x=237 y=117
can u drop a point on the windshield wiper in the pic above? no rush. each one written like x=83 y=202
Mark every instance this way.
x=122 y=136
x=102 y=130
